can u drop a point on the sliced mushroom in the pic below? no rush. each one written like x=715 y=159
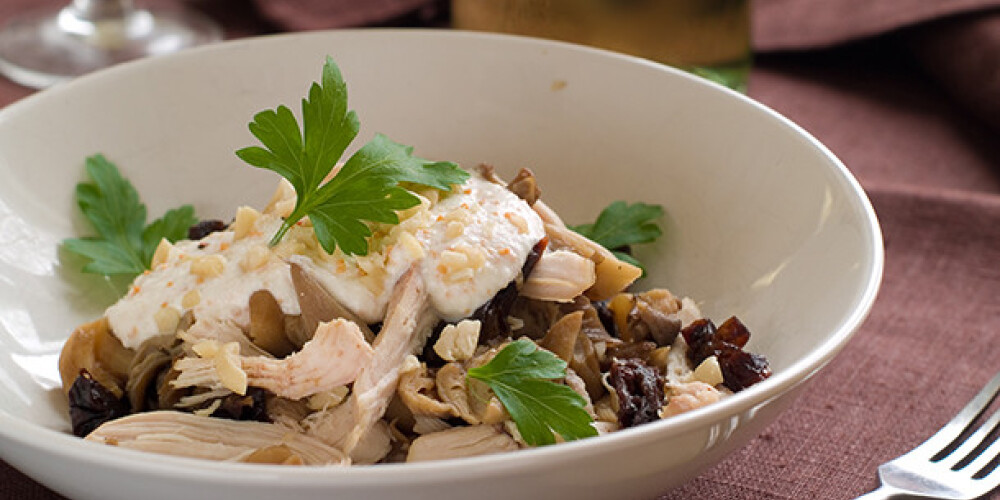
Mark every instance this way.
x=184 y=434
x=525 y=186
x=559 y=276
x=94 y=348
x=267 y=324
x=566 y=340
x=417 y=391
x=460 y=442
x=453 y=389
x=318 y=304
x=147 y=371
x=651 y=315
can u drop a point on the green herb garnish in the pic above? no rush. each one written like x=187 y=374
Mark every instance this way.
x=367 y=188
x=125 y=244
x=621 y=225
x=521 y=376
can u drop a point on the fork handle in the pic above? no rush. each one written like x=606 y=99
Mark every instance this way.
x=885 y=493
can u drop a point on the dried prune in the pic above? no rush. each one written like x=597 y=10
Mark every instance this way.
x=640 y=391
x=733 y=331
x=740 y=369
x=204 y=228
x=493 y=314
x=91 y=404
x=252 y=406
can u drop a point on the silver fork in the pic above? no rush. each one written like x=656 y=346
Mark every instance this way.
x=945 y=466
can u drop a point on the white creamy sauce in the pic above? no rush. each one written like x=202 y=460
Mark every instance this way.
x=224 y=297
x=472 y=243
x=467 y=247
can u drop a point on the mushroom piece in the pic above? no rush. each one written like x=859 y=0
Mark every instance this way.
x=318 y=305
x=148 y=372
x=525 y=186
x=267 y=324
x=416 y=391
x=559 y=276
x=453 y=389
x=567 y=341
x=94 y=348
x=187 y=435
x=612 y=275
x=460 y=442
x=651 y=315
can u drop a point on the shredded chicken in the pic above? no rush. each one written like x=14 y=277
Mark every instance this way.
x=187 y=435
x=687 y=397
x=559 y=276
x=460 y=442
x=335 y=356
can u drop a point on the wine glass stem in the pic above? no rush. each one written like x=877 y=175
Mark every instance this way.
x=100 y=10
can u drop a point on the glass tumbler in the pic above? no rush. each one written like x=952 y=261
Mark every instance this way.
x=710 y=38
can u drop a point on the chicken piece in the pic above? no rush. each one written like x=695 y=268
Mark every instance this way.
x=187 y=435
x=612 y=275
x=333 y=425
x=460 y=442
x=559 y=276
x=335 y=356
x=408 y=323
x=687 y=397
x=94 y=348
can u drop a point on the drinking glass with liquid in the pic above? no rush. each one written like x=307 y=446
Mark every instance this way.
x=710 y=38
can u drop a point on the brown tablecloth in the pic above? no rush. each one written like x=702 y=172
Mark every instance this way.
x=907 y=93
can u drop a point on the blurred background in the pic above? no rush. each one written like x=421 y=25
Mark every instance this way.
x=905 y=92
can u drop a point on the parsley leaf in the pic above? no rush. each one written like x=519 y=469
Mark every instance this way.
x=124 y=244
x=520 y=375
x=367 y=188
x=620 y=225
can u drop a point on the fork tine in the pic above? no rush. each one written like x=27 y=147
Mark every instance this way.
x=971 y=443
x=987 y=456
x=954 y=428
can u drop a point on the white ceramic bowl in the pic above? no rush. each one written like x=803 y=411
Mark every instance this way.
x=762 y=222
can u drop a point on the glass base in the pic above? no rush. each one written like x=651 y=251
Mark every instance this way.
x=43 y=49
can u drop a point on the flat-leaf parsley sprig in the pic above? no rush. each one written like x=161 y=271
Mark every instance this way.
x=124 y=244
x=521 y=376
x=621 y=225
x=367 y=188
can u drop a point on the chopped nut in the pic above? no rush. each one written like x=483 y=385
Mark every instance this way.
x=162 y=253
x=517 y=221
x=246 y=217
x=709 y=371
x=255 y=257
x=166 y=319
x=453 y=260
x=412 y=246
x=230 y=368
x=454 y=229
x=208 y=266
x=458 y=342
x=190 y=299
